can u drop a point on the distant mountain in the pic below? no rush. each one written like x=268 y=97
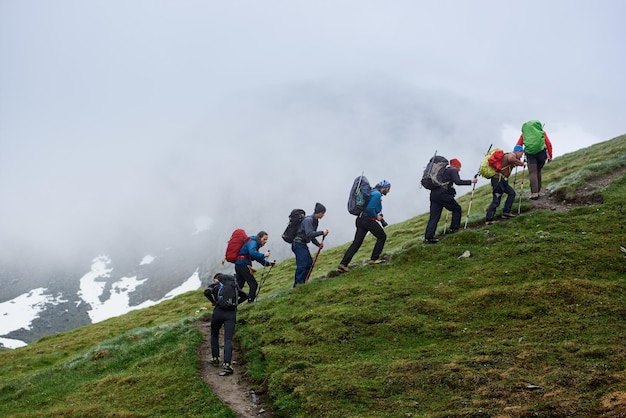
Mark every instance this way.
x=41 y=298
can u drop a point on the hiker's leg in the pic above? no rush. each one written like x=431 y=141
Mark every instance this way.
x=533 y=172
x=453 y=206
x=216 y=323
x=377 y=230
x=359 y=236
x=229 y=332
x=435 y=213
x=541 y=161
x=252 y=284
x=241 y=271
x=495 y=200
x=303 y=262
x=510 y=198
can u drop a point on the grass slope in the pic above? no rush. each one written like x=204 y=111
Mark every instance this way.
x=540 y=301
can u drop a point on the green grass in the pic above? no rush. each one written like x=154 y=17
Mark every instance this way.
x=541 y=301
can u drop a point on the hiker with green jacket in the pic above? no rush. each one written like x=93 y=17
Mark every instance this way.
x=538 y=149
x=500 y=185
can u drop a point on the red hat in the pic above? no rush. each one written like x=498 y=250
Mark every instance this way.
x=455 y=163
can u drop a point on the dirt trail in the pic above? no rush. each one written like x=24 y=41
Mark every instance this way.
x=233 y=390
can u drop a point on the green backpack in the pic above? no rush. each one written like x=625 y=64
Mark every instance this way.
x=534 y=139
x=489 y=166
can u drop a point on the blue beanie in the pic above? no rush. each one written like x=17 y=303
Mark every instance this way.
x=518 y=148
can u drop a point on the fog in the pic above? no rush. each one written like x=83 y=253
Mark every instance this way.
x=131 y=124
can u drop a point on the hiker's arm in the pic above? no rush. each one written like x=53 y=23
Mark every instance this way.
x=548 y=145
x=457 y=179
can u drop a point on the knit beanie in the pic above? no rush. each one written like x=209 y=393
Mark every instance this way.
x=319 y=208
x=455 y=163
x=518 y=148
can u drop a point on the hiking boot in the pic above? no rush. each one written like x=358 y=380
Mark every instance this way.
x=228 y=369
x=490 y=222
x=431 y=240
x=215 y=361
x=343 y=269
x=377 y=261
x=534 y=196
x=453 y=231
x=508 y=215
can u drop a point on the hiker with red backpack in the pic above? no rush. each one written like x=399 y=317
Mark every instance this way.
x=243 y=265
x=538 y=149
x=307 y=232
x=500 y=184
x=443 y=197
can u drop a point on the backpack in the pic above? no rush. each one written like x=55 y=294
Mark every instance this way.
x=360 y=193
x=295 y=219
x=492 y=163
x=534 y=139
x=227 y=293
x=433 y=173
x=237 y=240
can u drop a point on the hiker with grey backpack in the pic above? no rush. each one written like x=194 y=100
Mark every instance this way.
x=307 y=233
x=439 y=177
x=225 y=295
x=369 y=219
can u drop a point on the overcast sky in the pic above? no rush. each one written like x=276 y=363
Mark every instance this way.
x=126 y=121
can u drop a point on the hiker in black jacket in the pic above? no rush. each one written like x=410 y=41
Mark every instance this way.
x=443 y=197
x=227 y=318
x=307 y=233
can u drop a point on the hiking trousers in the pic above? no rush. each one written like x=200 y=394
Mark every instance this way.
x=499 y=187
x=440 y=199
x=365 y=224
x=535 y=164
x=245 y=276
x=227 y=318
x=304 y=261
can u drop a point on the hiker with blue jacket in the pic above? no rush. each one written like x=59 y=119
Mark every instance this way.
x=243 y=265
x=443 y=197
x=368 y=221
x=307 y=232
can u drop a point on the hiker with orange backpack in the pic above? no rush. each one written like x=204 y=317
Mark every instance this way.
x=500 y=184
x=307 y=232
x=243 y=265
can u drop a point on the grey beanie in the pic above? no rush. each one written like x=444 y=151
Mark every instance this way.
x=319 y=208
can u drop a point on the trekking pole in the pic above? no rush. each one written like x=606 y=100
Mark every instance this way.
x=263 y=277
x=445 y=222
x=469 y=207
x=314 y=260
x=521 y=190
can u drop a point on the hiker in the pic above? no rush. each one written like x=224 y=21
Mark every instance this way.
x=443 y=197
x=307 y=232
x=243 y=266
x=226 y=317
x=368 y=221
x=538 y=149
x=500 y=185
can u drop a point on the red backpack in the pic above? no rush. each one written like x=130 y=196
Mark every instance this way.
x=237 y=240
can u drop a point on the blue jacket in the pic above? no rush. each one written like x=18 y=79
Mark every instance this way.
x=375 y=204
x=250 y=251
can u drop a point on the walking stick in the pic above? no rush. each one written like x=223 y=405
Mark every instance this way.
x=446 y=222
x=263 y=277
x=521 y=190
x=314 y=260
x=473 y=188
